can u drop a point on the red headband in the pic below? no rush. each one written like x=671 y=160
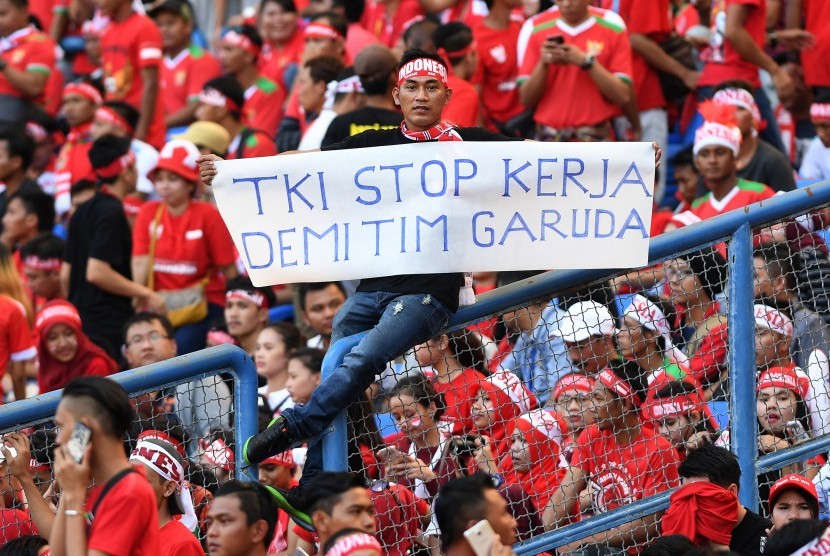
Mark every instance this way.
x=110 y=116
x=780 y=377
x=36 y=263
x=617 y=385
x=254 y=297
x=150 y=434
x=820 y=112
x=572 y=381
x=239 y=40
x=354 y=542
x=681 y=404
x=212 y=97
x=85 y=90
x=62 y=311
x=218 y=453
x=321 y=31
x=35 y=465
x=447 y=54
x=116 y=166
x=422 y=67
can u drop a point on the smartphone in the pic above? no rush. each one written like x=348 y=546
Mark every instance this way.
x=78 y=442
x=481 y=537
x=796 y=430
x=299 y=552
x=389 y=453
x=556 y=39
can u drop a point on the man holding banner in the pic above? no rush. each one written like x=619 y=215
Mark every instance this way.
x=397 y=312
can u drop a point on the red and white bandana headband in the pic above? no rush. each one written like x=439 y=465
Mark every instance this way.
x=161 y=435
x=239 y=40
x=285 y=459
x=675 y=405
x=788 y=379
x=816 y=547
x=321 y=31
x=159 y=460
x=573 y=381
x=254 y=297
x=511 y=385
x=447 y=54
x=63 y=312
x=110 y=116
x=85 y=90
x=349 y=85
x=422 y=67
x=644 y=311
x=212 y=97
x=35 y=465
x=34 y=262
x=767 y=317
x=116 y=166
x=715 y=134
x=218 y=453
x=740 y=98
x=820 y=112
x=355 y=542
x=545 y=423
x=617 y=385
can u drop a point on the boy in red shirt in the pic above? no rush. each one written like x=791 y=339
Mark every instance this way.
x=131 y=53
x=186 y=66
x=621 y=460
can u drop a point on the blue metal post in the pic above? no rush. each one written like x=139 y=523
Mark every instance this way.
x=743 y=420
x=335 y=439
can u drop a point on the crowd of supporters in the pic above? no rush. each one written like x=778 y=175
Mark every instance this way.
x=113 y=256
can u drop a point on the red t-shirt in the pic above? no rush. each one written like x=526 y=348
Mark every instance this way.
x=273 y=61
x=45 y=11
x=264 y=102
x=72 y=165
x=604 y=34
x=15 y=524
x=470 y=12
x=178 y=541
x=653 y=19
x=126 y=521
x=357 y=39
x=399 y=515
x=389 y=28
x=256 y=144
x=721 y=60
x=181 y=78
x=814 y=60
x=686 y=18
x=744 y=193
x=458 y=400
x=188 y=246
x=16 y=343
x=26 y=50
x=127 y=47
x=498 y=66
x=620 y=475
x=463 y=106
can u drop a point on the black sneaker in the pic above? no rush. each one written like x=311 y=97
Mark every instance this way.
x=291 y=501
x=274 y=440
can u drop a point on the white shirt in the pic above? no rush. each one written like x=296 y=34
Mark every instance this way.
x=313 y=136
x=816 y=162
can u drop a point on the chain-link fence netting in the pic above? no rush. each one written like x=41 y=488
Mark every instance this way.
x=193 y=424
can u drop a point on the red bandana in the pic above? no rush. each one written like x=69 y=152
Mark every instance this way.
x=443 y=131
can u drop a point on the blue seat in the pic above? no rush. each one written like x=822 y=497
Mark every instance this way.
x=720 y=410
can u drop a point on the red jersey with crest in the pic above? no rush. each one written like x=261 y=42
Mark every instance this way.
x=182 y=77
x=721 y=61
x=127 y=47
x=620 y=475
x=604 y=35
x=463 y=106
x=72 y=165
x=16 y=342
x=815 y=60
x=389 y=28
x=744 y=193
x=264 y=104
x=498 y=68
x=273 y=61
x=28 y=50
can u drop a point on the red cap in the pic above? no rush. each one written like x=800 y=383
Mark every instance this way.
x=179 y=157
x=793 y=481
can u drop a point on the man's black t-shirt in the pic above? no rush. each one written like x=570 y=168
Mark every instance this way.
x=747 y=535
x=99 y=230
x=770 y=167
x=443 y=286
x=360 y=120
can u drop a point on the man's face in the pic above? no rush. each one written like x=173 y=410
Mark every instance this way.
x=686 y=179
x=77 y=109
x=17 y=223
x=573 y=11
x=209 y=113
x=12 y=18
x=520 y=320
x=322 y=46
x=276 y=24
x=764 y=287
x=110 y=7
x=769 y=347
x=500 y=518
x=607 y=406
x=8 y=165
x=175 y=30
x=310 y=94
x=228 y=532
x=233 y=58
x=355 y=510
x=715 y=163
x=422 y=99
x=43 y=283
x=590 y=354
x=823 y=132
x=148 y=342
x=321 y=306
x=275 y=475
x=243 y=317
x=745 y=121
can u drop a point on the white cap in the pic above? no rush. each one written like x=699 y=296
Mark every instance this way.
x=585 y=319
x=769 y=318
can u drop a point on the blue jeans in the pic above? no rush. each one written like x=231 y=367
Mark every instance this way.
x=395 y=322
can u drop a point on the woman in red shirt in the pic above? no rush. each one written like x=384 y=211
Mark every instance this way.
x=64 y=351
x=186 y=239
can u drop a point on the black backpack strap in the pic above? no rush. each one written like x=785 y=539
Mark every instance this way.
x=108 y=487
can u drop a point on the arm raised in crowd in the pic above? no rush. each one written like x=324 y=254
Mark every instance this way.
x=42 y=514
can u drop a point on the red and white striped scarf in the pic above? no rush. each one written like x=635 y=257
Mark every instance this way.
x=442 y=131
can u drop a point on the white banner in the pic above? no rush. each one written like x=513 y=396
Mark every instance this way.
x=438 y=207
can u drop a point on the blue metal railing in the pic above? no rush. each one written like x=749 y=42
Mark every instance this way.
x=185 y=368
x=736 y=227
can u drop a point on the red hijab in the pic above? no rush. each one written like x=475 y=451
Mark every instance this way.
x=89 y=359
x=544 y=432
x=510 y=399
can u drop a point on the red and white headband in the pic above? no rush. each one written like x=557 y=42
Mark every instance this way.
x=681 y=404
x=35 y=465
x=447 y=54
x=787 y=379
x=645 y=312
x=573 y=381
x=159 y=460
x=117 y=166
x=767 y=317
x=610 y=380
x=63 y=311
x=285 y=459
x=85 y=90
x=355 y=542
x=212 y=97
x=234 y=38
x=545 y=423
x=715 y=134
x=218 y=453
x=511 y=385
x=422 y=67
x=820 y=112
x=153 y=434
x=34 y=262
x=321 y=31
x=740 y=98
x=256 y=298
x=110 y=116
